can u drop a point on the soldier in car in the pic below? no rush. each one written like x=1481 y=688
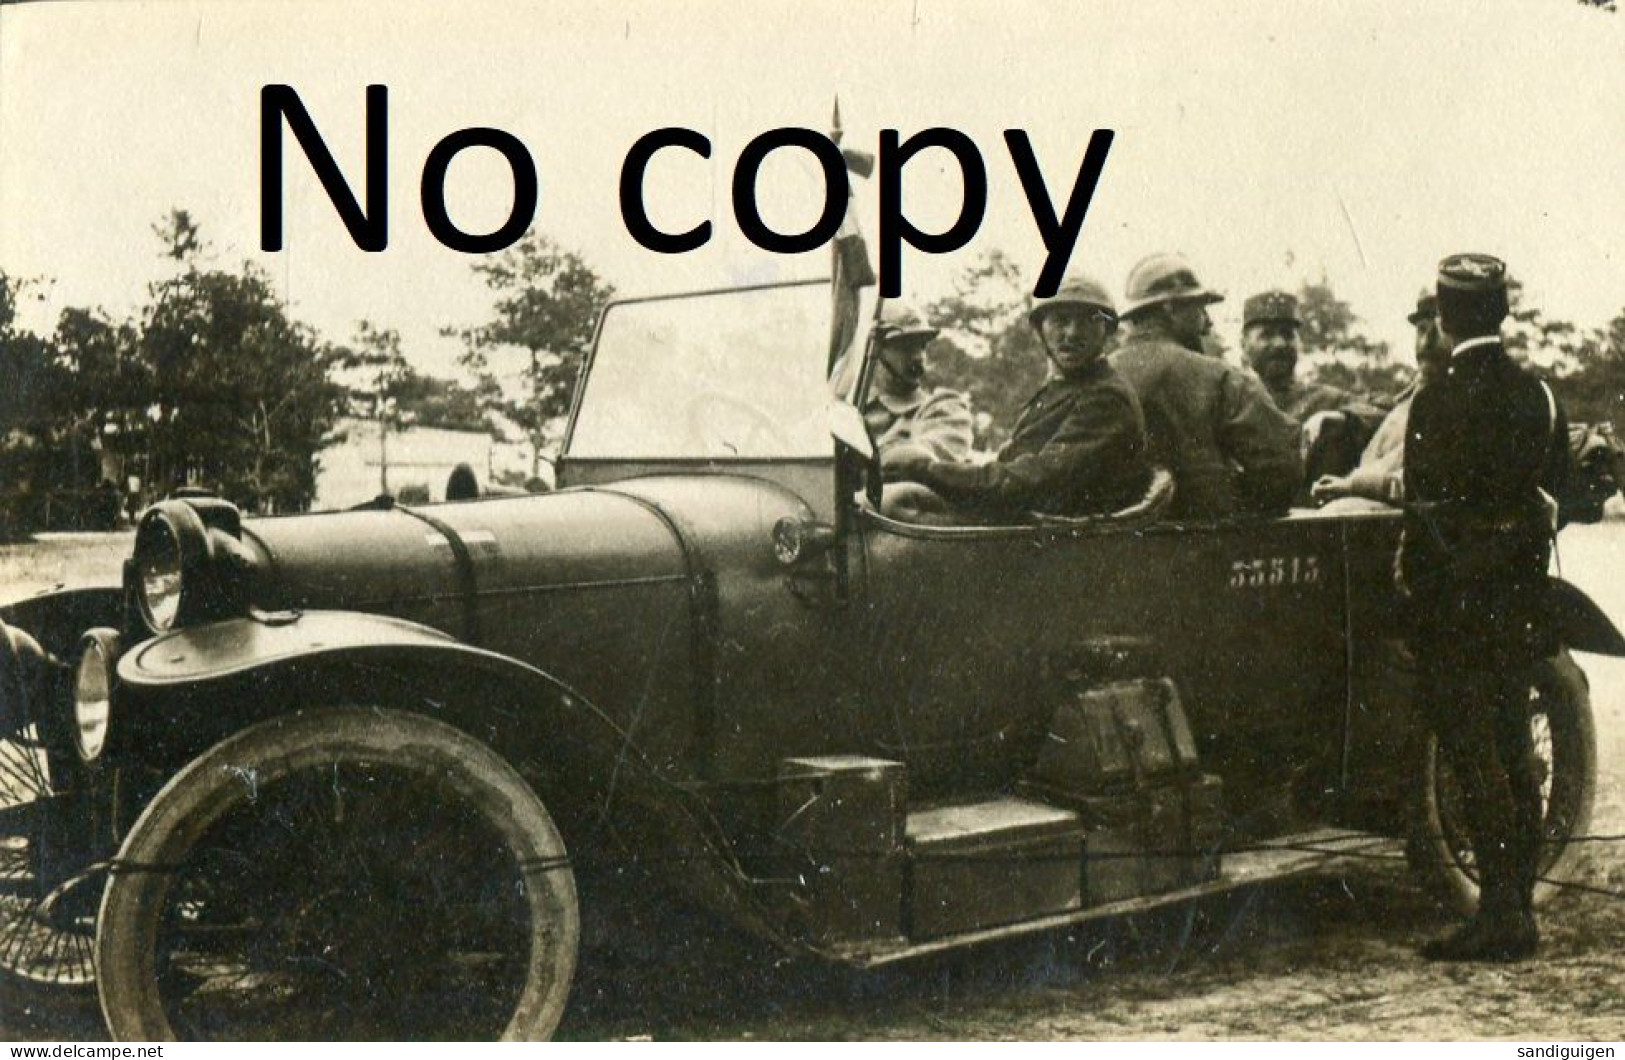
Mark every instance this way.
x=1485 y=449
x=1379 y=474
x=1231 y=451
x=906 y=419
x=1270 y=328
x=1078 y=447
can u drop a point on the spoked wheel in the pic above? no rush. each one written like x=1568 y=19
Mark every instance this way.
x=1565 y=747
x=47 y=894
x=342 y=874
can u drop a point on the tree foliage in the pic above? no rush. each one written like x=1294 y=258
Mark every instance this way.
x=242 y=397
x=381 y=384
x=1337 y=353
x=987 y=349
x=28 y=363
x=1593 y=391
x=546 y=305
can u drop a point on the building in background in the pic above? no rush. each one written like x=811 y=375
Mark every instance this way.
x=411 y=464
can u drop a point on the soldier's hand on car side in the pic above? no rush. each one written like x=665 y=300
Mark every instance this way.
x=905 y=466
x=1330 y=488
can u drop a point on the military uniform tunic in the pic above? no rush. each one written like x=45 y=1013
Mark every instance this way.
x=1230 y=449
x=1302 y=400
x=1078 y=448
x=1480 y=445
x=936 y=423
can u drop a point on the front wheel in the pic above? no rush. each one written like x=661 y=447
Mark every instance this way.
x=340 y=874
x=1565 y=745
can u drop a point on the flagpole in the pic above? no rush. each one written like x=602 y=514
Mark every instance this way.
x=850 y=271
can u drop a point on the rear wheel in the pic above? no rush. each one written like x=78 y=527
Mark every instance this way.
x=340 y=874
x=1565 y=746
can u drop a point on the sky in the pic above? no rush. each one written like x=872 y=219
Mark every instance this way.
x=1272 y=142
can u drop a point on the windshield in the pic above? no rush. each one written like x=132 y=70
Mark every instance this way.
x=724 y=375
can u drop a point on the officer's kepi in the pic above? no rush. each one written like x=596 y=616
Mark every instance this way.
x=1427 y=308
x=1472 y=287
x=1271 y=307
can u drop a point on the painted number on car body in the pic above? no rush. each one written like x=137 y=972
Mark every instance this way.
x=1272 y=571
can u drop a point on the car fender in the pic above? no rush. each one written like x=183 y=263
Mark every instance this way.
x=57 y=617
x=1581 y=624
x=185 y=691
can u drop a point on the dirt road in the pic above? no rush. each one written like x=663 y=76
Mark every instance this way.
x=1330 y=957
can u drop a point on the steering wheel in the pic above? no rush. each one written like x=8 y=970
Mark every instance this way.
x=721 y=424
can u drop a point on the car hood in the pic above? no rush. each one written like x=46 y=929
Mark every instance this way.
x=424 y=561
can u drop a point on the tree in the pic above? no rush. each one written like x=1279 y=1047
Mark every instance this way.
x=373 y=371
x=242 y=395
x=28 y=364
x=1552 y=347
x=1594 y=391
x=987 y=349
x=547 y=304
x=1336 y=352
x=105 y=388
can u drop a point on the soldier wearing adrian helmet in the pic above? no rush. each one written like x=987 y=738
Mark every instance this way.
x=1484 y=453
x=1078 y=447
x=1231 y=451
x=906 y=419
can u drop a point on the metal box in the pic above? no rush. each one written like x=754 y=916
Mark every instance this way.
x=979 y=865
x=1152 y=840
x=840 y=835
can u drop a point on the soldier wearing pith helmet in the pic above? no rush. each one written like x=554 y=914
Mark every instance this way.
x=1231 y=451
x=1485 y=450
x=1163 y=292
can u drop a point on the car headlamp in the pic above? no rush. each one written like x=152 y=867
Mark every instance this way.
x=188 y=564
x=797 y=540
x=93 y=692
x=158 y=566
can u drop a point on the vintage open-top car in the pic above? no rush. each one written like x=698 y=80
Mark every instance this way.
x=349 y=774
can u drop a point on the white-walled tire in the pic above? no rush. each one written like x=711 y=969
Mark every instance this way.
x=341 y=873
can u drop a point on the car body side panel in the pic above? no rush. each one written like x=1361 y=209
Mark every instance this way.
x=778 y=658
x=1384 y=732
x=968 y=634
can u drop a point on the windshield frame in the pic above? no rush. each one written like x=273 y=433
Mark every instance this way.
x=588 y=364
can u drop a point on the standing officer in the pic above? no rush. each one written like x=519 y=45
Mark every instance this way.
x=1230 y=449
x=1482 y=444
x=1078 y=447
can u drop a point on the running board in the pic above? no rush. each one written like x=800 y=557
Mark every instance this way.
x=1274 y=859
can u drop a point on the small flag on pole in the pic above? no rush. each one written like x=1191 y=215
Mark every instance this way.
x=851 y=271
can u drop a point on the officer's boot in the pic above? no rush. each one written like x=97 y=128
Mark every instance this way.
x=1531 y=845
x=1500 y=930
x=1523 y=773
